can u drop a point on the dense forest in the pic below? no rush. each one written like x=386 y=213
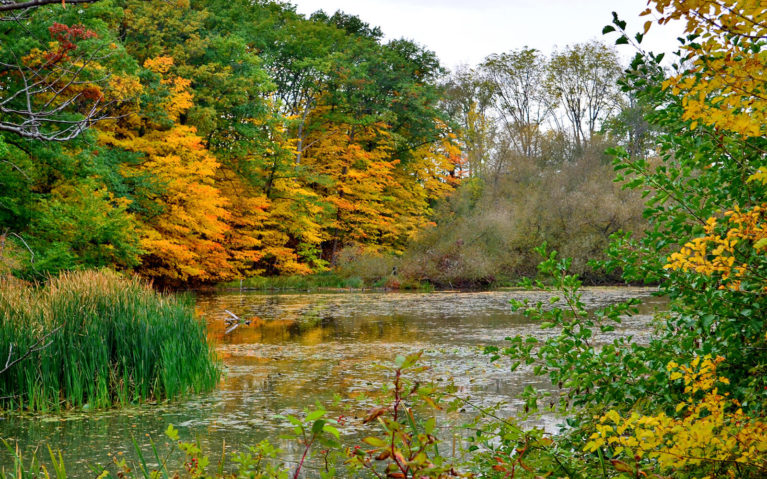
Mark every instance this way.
x=200 y=142
x=223 y=139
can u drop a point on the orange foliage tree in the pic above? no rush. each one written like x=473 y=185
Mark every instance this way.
x=183 y=242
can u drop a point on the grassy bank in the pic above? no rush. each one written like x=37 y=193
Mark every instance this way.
x=93 y=340
x=342 y=280
x=324 y=280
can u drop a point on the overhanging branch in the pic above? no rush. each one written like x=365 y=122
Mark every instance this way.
x=8 y=5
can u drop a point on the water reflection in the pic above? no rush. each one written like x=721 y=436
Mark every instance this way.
x=302 y=348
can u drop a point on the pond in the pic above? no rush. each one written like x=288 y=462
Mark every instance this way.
x=303 y=348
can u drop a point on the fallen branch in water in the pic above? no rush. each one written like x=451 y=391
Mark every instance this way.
x=234 y=319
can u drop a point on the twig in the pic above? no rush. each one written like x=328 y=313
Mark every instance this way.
x=37 y=346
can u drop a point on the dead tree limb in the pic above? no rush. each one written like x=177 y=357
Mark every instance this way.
x=53 y=96
x=8 y=5
x=38 y=345
x=50 y=102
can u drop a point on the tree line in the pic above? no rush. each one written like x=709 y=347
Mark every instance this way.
x=195 y=142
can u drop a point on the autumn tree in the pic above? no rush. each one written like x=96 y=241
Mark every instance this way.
x=58 y=76
x=183 y=239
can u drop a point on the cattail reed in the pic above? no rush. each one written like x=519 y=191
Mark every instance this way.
x=108 y=340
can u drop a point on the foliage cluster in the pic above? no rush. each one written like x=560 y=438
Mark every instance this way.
x=714 y=437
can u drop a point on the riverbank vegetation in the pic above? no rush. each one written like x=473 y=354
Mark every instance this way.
x=363 y=271
x=91 y=340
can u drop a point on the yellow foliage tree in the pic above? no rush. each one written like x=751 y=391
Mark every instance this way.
x=356 y=169
x=726 y=251
x=185 y=241
x=726 y=87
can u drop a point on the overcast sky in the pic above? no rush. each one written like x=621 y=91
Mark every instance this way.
x=466 y=31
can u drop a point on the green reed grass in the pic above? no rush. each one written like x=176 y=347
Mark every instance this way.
x=327 y=279
x=111 y=341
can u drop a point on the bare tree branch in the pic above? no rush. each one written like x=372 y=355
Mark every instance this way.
x=31 y=253
x=4 y=236
x=51 y=101
x=8 y=5
x=38 y=345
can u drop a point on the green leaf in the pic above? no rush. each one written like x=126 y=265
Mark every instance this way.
x=375 y=441
x=332 y=430
x=172 y=433
x=314 y=415
x=410 y=360
x=399 y=360
x=294 y=420
x=318 y=426
x=429 y=426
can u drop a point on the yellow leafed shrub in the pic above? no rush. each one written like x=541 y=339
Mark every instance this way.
x=708 y=436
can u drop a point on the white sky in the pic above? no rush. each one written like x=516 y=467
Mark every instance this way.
x=466 y=31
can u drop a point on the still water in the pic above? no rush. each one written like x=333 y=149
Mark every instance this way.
x=303 y=348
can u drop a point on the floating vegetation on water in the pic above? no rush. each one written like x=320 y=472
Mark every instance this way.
x=94 y=339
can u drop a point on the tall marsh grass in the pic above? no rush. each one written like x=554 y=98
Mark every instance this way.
x=108 y=340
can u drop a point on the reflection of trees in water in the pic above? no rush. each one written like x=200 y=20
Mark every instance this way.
x=390 y=328
x=310 y=328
